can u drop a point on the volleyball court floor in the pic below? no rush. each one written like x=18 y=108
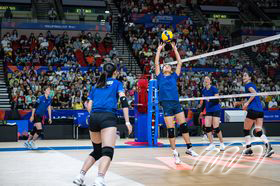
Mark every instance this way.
x=57 y=162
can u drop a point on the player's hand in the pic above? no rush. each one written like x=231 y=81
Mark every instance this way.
x=129 y=127
x=31 y=119
x=50 y=121
x=173 y=44
x=245 y=106
x=161 y=46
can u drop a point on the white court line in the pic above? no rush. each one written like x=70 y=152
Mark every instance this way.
x=49 y=168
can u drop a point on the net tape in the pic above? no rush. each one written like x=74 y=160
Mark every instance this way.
x=232 y=96
x=236 y=47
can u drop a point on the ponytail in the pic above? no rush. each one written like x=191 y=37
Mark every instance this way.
x=101 y=83
x=108 y=70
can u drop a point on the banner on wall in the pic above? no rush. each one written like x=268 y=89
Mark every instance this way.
x=57 y=26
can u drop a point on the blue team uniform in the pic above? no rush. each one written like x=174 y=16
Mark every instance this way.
x=212 y=109
x=168 y=94
x=106 y=99
x=43 y=104
x=104 y=107
x=255 y=109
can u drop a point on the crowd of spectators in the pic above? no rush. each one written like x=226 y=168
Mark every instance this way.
x=191 y=40
x=69 y=89
x=194 y=40
x=267 y=56
x=56 y=50
x=160 y=7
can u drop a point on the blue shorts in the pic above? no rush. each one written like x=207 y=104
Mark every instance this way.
x=171 y=108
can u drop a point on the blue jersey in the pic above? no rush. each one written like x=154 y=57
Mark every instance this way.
x=106 y=99
x=211 y=107
x=43 y=104
x=168 y=90
x=256 y=103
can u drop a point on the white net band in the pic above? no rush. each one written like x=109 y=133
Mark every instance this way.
x=232 y=96
x=236 y=47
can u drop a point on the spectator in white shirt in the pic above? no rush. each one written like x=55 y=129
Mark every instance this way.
x=272 y=104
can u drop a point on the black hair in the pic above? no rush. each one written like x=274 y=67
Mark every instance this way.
x=250 y=75
x=108 y=70
x=45 y=88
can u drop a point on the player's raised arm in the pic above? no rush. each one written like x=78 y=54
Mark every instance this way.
x=160 y=47
x=178 y=58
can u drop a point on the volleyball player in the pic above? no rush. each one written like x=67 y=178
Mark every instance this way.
x=213 y=114
x=254 y=115
x=39 y=109
x=102 y=106
x=169 y=100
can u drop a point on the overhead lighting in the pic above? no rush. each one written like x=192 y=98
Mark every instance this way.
x=107 y=12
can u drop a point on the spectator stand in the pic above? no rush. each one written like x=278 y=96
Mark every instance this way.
x=85 y=11
x=17 y=9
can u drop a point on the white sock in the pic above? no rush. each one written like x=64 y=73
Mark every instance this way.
x=174 y=151
x=248 y=140
x=264 y=138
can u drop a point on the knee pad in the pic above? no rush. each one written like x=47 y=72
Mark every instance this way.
x=108 y=151
x=246 y=132
x=97 y=152
x=184 y=128
x=217 y=130
x=171 y=133
x=39 y=132
x=259 y=134
x=33 y=131
x=208 y=129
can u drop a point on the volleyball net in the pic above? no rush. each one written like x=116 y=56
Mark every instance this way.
x=234 y=49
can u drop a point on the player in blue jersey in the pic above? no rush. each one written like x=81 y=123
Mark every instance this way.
x=213 y=114
x=169 y=100
x=255 y=115
x=102 y=106
x=42 y=105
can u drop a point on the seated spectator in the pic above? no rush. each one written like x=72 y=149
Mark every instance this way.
x=77 y=44
x=64 y=100
x=14 y=36
x=272 y=104
x=97 y=39
x=90 y=60
x=55 y=103
x=108 y=42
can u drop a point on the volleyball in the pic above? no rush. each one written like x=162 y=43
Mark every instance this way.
x=166 y=36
